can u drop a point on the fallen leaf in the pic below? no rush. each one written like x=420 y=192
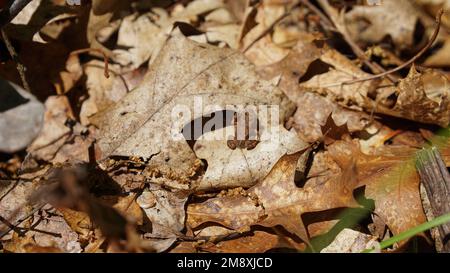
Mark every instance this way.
x=339 y=69
x=314 y=111
x=78 y=222
x=147 y=110
x=34 y=17
x=427 y=89
x=224 y=126
x=145 y=35
x=274 y=201
x=14 y=203
x=255 y=242
x=54 y=131
x=26 y=244
x=391 y=180
x=57 y=233
x=127 y=206
x=104 y=92
x=99 y=18
x=228 y=168
x=350 y=241
x=275 y=45
x=61 y=139
x=165 y=210
x=333 y=132
x=423 y=97
x=70 y=75
x=396 y=19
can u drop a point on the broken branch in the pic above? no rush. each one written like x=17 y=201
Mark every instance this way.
x=436 y=179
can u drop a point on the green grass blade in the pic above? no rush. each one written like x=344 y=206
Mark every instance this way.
x=414 y=231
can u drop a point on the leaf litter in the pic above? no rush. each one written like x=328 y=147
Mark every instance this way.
x=111 y=166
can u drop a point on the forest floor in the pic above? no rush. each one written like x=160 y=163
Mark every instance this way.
x=223 y=125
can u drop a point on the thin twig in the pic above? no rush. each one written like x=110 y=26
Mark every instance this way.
x=10 y=189
x=342 y=29
x=20 y=221
x=376 y=68
x=105 y=58
x=20 y=67
x=405 y=64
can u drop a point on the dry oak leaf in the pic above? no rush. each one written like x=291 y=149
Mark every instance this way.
x=275 y=45
x=78 y=221
x=335 y=68
x=145 y=35
x=254 y=242
x=312 y=109
x=81 y=223
x=296 y=63
x=58 y=233
x=166 y=211
x=27 y=244
x=126 y=206
x=14 y=201
x=264 y=51
x=103 y=91
x=220 y=26
x=391 y=180
x=59 y=139
x=396 y=19
x=351 y=241
x=422 y=97
x=389 y=177
x=275 y=201
x=332 y=132
x=99 y=18
x=142 y=124
x=70 y=76
x=228 y=168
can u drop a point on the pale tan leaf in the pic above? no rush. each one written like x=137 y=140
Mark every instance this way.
x=228 y=168
x=394 y=18
x=146 y=112
x=350 y=241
